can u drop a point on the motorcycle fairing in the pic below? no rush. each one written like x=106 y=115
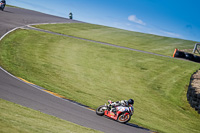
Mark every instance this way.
x=111 y=114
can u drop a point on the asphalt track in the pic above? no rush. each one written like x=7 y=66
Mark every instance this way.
x=17 y=91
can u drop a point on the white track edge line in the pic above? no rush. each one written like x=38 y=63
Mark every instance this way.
x=34 y=86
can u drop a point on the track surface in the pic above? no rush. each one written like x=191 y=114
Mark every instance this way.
x=14 y=90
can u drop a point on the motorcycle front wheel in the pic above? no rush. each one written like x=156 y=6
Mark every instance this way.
x=101 y=109
x=124 y=118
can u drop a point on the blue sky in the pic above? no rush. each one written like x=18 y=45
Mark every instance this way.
x=172 y=18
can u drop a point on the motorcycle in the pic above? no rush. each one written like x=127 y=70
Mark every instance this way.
x=2 y=6
x=122 y=114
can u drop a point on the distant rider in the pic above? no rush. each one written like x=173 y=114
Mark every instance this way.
x=3 y=5
x=125 y=103
x=3 y=1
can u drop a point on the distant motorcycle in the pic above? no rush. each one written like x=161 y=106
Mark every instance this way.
x=122 y=114
x=2 y=6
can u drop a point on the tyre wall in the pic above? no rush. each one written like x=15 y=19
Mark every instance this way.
x=185 y=55
x=193 y=93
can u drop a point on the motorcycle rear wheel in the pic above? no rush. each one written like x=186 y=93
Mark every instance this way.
x=101 y=109
x=124 y=119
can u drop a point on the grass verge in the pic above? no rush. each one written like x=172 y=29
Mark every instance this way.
x=11 y=6
x=15 y=118
x=146 y=42
x=92 y=73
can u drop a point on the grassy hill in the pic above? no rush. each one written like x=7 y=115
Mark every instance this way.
x=92 y=73
x=147 y=42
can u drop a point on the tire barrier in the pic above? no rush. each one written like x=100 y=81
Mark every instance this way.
x=189 y=56
x=185 y=55
x=197 y=58
x=193 y=93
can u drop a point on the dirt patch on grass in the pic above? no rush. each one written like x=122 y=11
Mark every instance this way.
x=196 y=82
x=193 y=94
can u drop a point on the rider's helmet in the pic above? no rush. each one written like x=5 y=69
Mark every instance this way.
x=131 y=101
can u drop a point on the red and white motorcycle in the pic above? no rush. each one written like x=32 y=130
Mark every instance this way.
x=122 y=113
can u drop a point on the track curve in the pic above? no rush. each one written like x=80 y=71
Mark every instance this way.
x=14 y=90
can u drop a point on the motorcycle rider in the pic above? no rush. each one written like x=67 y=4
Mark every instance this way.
x=125 y=103
x=3 y=1
x=3 y=5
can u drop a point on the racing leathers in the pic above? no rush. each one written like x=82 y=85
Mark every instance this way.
x=113 y=105
x=3 y=1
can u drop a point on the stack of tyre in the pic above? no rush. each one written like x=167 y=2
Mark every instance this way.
x=187 y=56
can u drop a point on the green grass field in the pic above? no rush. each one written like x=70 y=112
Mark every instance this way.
x=18 y=119
x=92 y=73
x=13 y=6
x=147 y=42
